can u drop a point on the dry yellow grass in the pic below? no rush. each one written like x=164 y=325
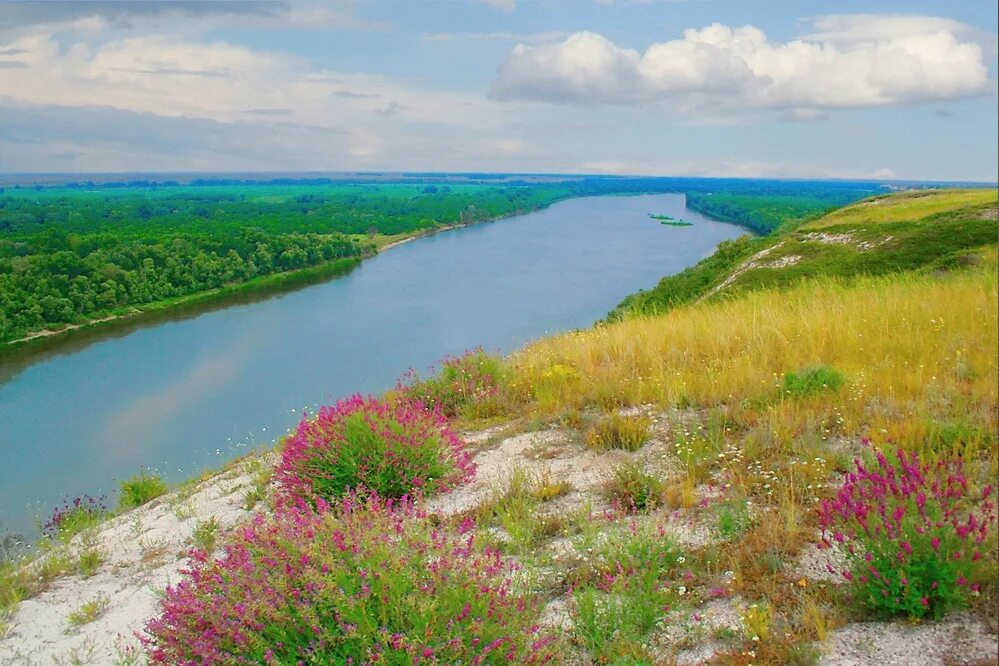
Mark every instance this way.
x=911 y=347
x=909 y=206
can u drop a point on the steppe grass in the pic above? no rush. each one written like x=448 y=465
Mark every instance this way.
x=915 y=348
x=914 y=205
x=615 y=431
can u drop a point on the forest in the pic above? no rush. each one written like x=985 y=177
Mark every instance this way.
x=69 y=255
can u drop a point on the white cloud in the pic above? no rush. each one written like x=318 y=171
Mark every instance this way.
x=524 y=37
x=505 y=5
x=219 y=81
x=849 y=61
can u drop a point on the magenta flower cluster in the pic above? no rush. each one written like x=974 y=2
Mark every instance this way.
x=78 y=512
x=912 y=532
x=461 y=382
x=372 y=582
x=392 y=448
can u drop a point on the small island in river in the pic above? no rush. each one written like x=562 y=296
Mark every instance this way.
x=671 y=221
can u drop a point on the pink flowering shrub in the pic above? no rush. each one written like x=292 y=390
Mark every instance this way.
x=912 y=533
x=389 y=448
x=369 y=583
x=466 y=385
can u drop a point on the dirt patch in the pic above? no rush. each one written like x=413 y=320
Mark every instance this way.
x=549 y=452
x=957 y=639
x=783 y=262
x=692 y=636
x=814 y=564
x=751 y=263
x=844 y=239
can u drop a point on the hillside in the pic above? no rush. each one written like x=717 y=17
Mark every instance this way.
x=649 y=491
x=919 y=230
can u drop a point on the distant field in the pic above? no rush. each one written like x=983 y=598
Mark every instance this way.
x=907 y=207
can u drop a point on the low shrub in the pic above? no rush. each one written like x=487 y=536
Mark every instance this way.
x=205 y=534
x=614 y=431
x=74 y=516
x=633 y=488
x=813 y=379
x=140 y=489
x=621 y=590
x=89 y=561
x=390 y=448
x=912 y=533
x=517 y=509
x=468 y=385
x=369 y=583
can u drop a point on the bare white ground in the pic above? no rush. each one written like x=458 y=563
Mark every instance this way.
x=143 y=551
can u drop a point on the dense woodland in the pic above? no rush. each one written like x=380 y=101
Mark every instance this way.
x=762 y=214
x=82 y=251
x=68 y=255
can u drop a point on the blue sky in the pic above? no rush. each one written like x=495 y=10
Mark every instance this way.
x=715 y=88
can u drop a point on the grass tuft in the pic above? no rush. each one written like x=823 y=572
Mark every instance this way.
x=88 y=612
x=813 y=379
x=615 y=431
x=633 y=488
x=139 y=489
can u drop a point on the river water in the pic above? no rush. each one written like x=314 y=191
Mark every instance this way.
x=184 y=395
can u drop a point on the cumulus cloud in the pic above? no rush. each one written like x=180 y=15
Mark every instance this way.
x=847 y=61
x=178 y=77
x=239 y=105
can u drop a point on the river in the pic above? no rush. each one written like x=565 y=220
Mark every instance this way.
x=188 y=394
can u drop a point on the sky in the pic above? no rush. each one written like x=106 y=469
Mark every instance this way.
x=843 y=89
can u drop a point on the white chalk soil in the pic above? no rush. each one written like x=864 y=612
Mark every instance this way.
x=145 y=549
x=142 y=551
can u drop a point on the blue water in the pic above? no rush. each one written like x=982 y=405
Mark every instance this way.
x=185 y=395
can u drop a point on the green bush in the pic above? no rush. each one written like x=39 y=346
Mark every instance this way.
x=390 y=448
x=620 y=591
x=734 y=519
x=140 y=489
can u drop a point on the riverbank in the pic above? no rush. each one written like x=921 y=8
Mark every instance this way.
x=47 y=340
x=191 y=305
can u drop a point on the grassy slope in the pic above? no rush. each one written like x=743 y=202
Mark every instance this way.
x=919 y=353
x=918 y=230
x=918 y=348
